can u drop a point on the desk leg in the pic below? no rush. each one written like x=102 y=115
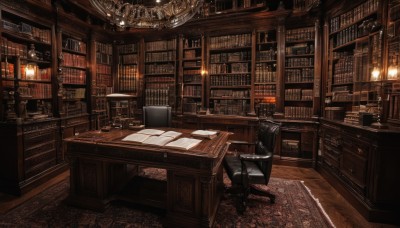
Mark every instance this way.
x=192 y=199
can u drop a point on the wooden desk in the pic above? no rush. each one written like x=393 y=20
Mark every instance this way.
x=101 y=168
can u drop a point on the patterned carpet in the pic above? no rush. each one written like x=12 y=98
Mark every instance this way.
x=294 y=207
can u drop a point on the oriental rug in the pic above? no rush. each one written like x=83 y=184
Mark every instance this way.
x=294 y=207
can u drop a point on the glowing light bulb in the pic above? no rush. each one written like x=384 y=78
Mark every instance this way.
x=375 y=74
x=392 y=72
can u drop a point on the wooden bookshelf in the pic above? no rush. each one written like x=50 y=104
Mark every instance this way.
x=160 y=72
x=229 y=71
x=74 y=75
x=354 y=39
x=299 y=73
x=265 y=78
x=192 y=74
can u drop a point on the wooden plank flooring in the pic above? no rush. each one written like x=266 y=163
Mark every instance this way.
x=339 y=210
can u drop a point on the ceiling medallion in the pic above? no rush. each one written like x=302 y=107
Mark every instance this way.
x=169 y=15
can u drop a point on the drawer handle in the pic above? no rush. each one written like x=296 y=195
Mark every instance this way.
x=351 y=171
x=358 y=136
x=360 y=151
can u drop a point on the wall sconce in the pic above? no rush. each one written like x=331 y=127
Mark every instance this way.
x=393 y=70
x=375 y=74
x=30 y=71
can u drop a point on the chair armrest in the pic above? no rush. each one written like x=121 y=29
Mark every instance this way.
x=254 y=157
x=240 y=142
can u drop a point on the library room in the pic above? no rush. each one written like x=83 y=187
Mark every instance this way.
x=200 y=113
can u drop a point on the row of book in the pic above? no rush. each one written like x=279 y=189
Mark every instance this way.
x=192 y=43
x=192 y=78
x=354 y=15
x=229 y=68
x=191 y=107
x=230 y=57
x=264 y=73
x=71 y=93
x=264 y=90
x=300 y=49
x=191 y=54
x=103 y=69
x=160 y=69
x=157 y=96
x=100 y=104
x=347 y=35
x=341 y=88
x=230 y=41
x=75 y=108
x=7 y=70
x=342 y=96
x=42 y=35
x=127 y=77
x=128 y=59
x=299 y=62
x=298 y=112
x=73 y=60
x=230 y=107
x=100 y=91
x=265 y=109
x=299 y=75
x=103 y=58
x=298 y=94
x=160 y=56
x=220 y=93
x=188 y=64
x=74 y=76
x=161 y=80
x=35 y=90
x=230 y=80
x=267 y=55
x=161 y=45
x=74 y=45
x=300 y=34
x=104 y=48
x=165 y=85
x=343 y=70
x=104 y=79
x=266 y=37
x=192 y=90
x=127 y=48
x=35 y=73
x=9 y=48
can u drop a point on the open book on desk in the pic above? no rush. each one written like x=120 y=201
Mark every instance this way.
x=183 y=143
x=205 y=134
x=156 y=137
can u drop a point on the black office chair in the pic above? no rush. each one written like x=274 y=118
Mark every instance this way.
x=245 y=170
x=157 y=116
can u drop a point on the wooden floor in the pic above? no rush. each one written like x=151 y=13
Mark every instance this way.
x=339 y=210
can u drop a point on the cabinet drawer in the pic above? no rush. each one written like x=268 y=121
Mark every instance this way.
x=331 y=156
x=355 y=168
x=30 y=140
x=34 y=170
x=355 y=146
x=40 y=148
x=39 y=158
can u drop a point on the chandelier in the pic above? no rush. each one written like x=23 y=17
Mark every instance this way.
x=123 y=13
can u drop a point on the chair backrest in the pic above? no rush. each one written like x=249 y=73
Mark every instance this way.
x=157 y=116
x=266 y=140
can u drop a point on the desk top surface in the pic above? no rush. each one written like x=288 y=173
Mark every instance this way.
x=206 y=148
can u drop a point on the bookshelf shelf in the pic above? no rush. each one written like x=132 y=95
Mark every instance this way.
x=74 y=52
